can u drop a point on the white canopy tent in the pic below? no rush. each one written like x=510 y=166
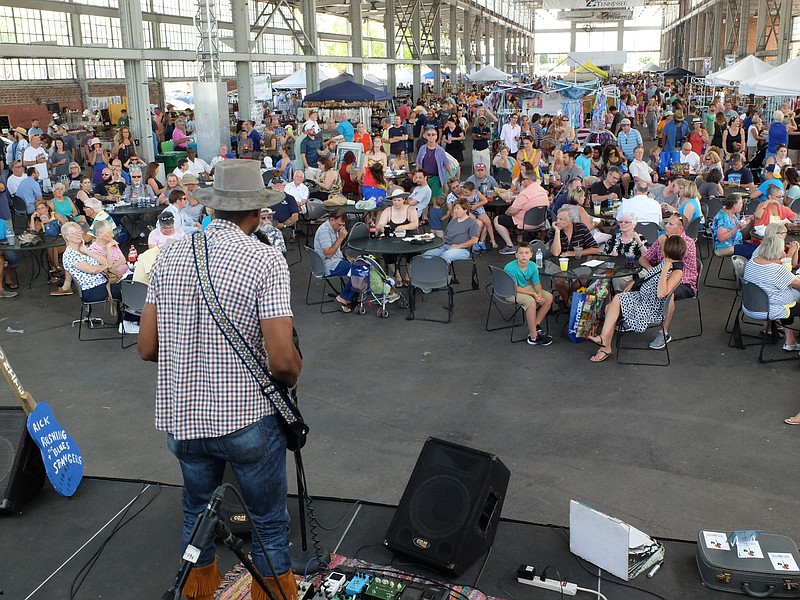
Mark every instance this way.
x=296 y=80
x=650 y=68
x=780 y=81
x=488 y=73
x=747 y=68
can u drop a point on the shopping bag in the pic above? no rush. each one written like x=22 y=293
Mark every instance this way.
x=578 y=301
x=589 y=320
x=666 y=160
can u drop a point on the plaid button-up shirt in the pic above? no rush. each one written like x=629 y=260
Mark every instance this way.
x=204 y=389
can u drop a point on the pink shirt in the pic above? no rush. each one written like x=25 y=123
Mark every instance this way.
x=532 y=196
x=116 y=254
x=654 y=256
x=179 y=139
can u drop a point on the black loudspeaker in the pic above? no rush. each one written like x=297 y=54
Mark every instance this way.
x=21 y=468
x=235 y=517
x=53 y=107
x=448 y=515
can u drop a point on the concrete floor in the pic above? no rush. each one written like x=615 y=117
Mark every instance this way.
x=699 y=444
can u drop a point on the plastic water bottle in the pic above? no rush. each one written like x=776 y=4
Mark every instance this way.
x=539 y=259
x=11 y=238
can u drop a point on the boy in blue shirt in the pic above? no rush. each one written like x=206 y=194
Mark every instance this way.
x=535 y=301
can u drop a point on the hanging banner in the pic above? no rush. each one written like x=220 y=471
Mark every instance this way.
x=600 y=4
x=621 y=14
x=262 y=87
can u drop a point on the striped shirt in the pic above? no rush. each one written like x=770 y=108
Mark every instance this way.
x=204 y=389
x=776 y=281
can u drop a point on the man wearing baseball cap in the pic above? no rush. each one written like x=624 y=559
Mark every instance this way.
x=482 y=180
x=481 y=136
x=628 y=139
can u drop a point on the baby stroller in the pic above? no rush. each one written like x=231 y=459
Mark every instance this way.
x=372 y=284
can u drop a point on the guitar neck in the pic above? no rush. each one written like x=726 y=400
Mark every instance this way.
x=25 y=399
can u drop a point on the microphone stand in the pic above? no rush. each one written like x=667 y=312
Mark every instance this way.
x=306 y=560
x=207 y=525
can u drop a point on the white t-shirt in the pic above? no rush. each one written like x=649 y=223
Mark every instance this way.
x=640 y=169
x=422 y=194
x=32 y=154
x=692 y=160
x=645 y=208
x=13 y=183
x=197 y=167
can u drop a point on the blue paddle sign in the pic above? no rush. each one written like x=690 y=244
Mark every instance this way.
x=62 y=458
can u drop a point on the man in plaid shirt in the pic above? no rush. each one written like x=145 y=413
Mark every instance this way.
x=209 y=404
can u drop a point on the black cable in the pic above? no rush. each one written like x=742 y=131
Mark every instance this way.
x=558 y=577
x=84 y=571
x=312 y=519
x=260 y=541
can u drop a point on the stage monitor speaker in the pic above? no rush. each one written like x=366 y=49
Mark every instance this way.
x=448 y=515
x=5 y=123
x=21 y=468
x=235 y=516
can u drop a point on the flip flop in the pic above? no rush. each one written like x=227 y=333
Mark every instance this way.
x=600 y=343
x=605 y=354
x=345 y=306
x=11 y=285
x=790 y=421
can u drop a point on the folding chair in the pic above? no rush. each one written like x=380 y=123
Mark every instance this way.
x=318 y=272
x=315 y=210
x=93 y=323
x=504 y=287
x=133 y=296
x=359 y=231
x=755 y=301
x=454 y=279
x=20 y=214
x=696 y=299
x=429 y=273
x=649 y=231
x=739 y=263
x=534 y=222
x=660 y=325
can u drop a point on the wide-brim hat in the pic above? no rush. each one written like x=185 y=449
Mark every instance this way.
x=21 y=131
x=190 y=179
x=94 y=141
x=398 y=193
x=238 y=186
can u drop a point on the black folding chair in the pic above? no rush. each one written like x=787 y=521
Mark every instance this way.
x=318 y=272
x=504 y=287
x=656 y=324
x=429 y=273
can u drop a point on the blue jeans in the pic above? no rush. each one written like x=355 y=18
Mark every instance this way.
x=257 y=455
x=343 y=270
x=449 y=254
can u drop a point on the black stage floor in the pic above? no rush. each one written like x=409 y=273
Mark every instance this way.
x=55 y=539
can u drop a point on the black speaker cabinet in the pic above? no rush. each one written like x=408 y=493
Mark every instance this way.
x=448 y=515
x=235 y=517
x=21 y=469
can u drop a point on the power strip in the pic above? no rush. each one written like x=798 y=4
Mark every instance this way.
x=527 y=576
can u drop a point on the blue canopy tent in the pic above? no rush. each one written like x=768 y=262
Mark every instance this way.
x=342 y=77
x=348 y=91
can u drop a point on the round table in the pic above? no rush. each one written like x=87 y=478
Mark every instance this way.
x=393 y=245
x=38 y=251
x=131 y=218
x=497 y=206
x=577 y=270
x=350 y=209
x=134 y=210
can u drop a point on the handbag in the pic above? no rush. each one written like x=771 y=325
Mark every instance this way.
x=283 y=400
x=52 y=228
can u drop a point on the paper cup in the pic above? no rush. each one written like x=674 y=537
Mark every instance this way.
x=787 y=262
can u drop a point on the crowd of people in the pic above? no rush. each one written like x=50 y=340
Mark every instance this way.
x=472 y=175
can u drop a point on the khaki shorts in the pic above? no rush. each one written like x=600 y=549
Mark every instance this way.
x=524 y=300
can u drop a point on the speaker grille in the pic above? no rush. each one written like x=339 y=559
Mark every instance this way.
x=440 y=507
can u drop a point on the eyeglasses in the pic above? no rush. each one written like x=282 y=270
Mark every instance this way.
x=626 y=222
x=136 y=176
